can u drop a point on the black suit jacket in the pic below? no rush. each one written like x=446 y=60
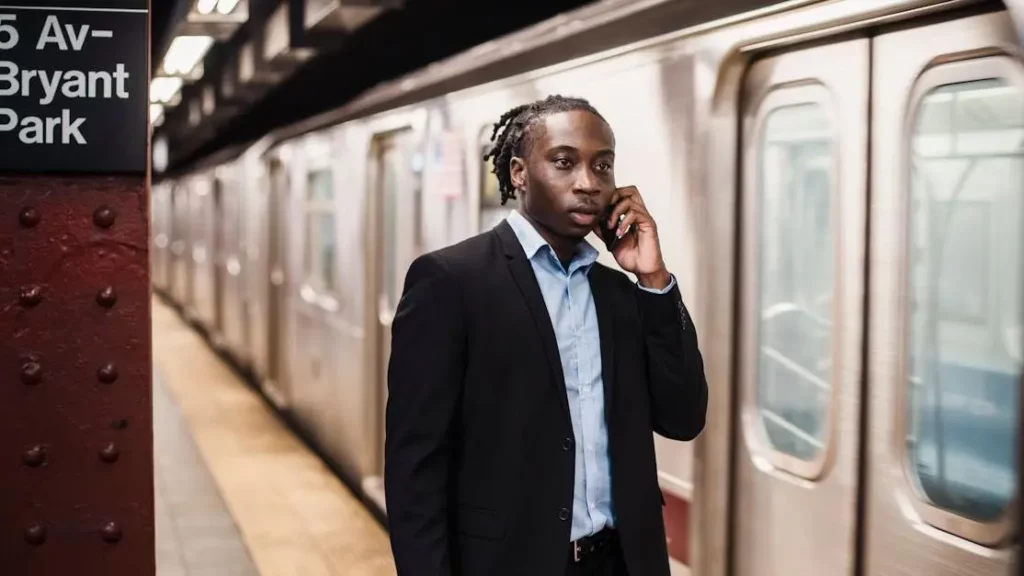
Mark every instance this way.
x=479 y=455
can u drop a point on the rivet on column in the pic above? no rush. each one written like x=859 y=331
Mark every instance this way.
x=35 y=534
x=30 y=296
x=103 y=217
x=109 y=453
x=111 y=532
x=106 y=297
x=107 y=373
x=34 y=456
x=29 y=217
x=31 y=373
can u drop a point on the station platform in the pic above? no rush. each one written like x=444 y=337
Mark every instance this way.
x=237 y=493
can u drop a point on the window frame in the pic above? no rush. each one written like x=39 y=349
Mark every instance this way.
x=981 y=67
x=390 y=289
x=783 y=96
x=408 y=143
x=312 y=261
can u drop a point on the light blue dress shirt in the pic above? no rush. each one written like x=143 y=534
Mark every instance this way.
x=573 y=316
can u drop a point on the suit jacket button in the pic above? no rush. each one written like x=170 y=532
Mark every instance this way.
x=563 y=514
x=567 y=444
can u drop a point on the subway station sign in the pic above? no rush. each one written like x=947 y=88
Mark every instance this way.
x=74 y=86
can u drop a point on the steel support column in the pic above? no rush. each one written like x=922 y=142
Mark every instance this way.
x=76 y=441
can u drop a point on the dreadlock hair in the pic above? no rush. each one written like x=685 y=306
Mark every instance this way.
x=515 y=138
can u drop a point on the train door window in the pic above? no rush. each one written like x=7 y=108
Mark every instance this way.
x=320 y=248
x=390 y=167
x=491 y=210
x=964 y=264
x=795 y=181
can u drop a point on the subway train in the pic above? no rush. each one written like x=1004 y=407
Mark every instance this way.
x=838 y=188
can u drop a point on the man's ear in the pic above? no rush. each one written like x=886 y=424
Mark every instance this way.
x=517 y=172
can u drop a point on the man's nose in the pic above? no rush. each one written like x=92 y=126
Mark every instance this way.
x=587 y=182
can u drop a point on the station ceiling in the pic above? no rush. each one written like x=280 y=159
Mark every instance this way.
x=398 y=41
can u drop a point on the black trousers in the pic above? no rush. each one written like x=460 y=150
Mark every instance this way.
x=608 y=561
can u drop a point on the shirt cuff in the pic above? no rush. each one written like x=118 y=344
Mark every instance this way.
x=665 y=290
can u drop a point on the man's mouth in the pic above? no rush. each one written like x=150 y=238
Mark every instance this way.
x=584 y=216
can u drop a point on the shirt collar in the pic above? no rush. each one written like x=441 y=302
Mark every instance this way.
x=532 y=242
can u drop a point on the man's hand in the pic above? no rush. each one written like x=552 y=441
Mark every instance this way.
x=638 y=251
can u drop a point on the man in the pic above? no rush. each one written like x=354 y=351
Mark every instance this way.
x=526 y=379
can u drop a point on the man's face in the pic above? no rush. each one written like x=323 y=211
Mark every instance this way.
x=568 y=174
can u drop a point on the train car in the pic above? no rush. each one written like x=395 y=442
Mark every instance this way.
x=197 y=228
x=838 y=190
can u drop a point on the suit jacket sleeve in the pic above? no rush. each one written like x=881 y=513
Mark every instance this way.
x=425 y=373
x=675 y=368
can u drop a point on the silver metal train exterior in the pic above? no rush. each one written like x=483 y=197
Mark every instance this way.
x=838 y=187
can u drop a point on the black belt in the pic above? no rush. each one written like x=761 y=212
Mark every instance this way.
x=589 y=545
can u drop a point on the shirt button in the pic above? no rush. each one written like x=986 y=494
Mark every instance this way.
x=563 y=514
x=567 y=444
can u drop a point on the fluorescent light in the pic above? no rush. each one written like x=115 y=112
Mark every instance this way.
x=205 y=6
x=162 y=90
x=156 y=114
x=225 y=7
x=185 y=53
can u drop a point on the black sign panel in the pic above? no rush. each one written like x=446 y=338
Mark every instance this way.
x=74 y=86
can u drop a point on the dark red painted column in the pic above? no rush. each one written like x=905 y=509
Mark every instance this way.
x=76 y=441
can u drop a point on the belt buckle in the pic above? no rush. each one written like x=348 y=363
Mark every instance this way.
x=576 y=552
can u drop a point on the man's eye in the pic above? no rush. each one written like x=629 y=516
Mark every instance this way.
x=562 y=163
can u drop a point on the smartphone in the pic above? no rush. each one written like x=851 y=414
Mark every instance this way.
x=608 y=234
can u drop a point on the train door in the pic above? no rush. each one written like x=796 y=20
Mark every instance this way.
x=277 y=211
x=218 y=254
x=181 y=245
x=926 y=485
x=946 y=289
x=396 y=195
x=804 y=196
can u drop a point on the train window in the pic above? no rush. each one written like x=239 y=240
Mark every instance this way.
x=320 y=248
x=391 y=164
x=795 y=181
x=964 y=277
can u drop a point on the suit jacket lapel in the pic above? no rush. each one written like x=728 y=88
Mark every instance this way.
x=526 y=281
x=603 y=301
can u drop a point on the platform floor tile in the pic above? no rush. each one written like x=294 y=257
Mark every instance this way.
x=195 y=534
